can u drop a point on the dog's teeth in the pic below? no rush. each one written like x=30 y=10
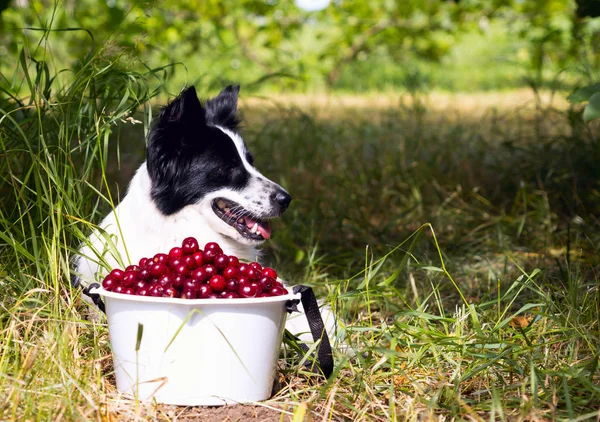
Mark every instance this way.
x=241 y=220
x=221 y=204
x=226 y=209
x=254 y=228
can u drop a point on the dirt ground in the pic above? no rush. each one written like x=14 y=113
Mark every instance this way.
x=227 y=414
x=233 y=413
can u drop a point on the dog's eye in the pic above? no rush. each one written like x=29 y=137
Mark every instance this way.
x=239 y=177
x=250 y=158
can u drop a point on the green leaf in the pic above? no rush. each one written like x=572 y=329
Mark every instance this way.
x=299 y=256
x=592 y=109
x=432 y=268
x=584 y=93
x=140 y=333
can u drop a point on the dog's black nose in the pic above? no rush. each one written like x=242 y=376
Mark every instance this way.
x=282 y=199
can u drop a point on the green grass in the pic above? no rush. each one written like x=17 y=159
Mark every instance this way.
x=491 y=309
x=459 y=250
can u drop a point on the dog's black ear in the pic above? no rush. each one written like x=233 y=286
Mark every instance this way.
x=182 y=122
x=185 y=109
x=222 y=110
x=180 y=125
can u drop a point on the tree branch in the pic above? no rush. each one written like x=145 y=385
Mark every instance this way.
x=358 y=45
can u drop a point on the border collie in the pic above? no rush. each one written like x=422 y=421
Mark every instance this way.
x=198 y=180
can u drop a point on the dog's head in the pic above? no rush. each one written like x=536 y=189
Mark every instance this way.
x=197 y=158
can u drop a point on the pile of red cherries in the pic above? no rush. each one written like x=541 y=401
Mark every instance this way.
x=189 y=272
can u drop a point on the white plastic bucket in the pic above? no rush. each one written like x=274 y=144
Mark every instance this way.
x=195 y=352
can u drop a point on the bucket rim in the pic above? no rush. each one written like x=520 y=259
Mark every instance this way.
x=194 y=302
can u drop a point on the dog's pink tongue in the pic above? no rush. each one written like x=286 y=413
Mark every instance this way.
x=263 y=227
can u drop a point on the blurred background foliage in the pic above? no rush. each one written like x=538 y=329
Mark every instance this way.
x=349 y=45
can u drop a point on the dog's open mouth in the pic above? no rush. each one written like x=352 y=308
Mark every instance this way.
x=241 y=219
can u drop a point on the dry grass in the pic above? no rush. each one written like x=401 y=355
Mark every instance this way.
x=471 y=103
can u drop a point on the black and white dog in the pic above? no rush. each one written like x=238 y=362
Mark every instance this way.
x=198 y=180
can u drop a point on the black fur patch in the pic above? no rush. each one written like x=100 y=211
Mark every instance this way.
x=187 y=157
x=222 y=110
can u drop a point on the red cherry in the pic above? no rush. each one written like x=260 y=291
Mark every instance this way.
x=213 y=246
x=143 y=262
x=231 y=272
x=117 y=274
x=161 y=258
x=221 y=261
x=268 y=271
x=177 y=281
x=157 y=269
x=164 y=280
x=118 y=289
x=182 y=269
x=209 y=255
x=266 y=282
x=175 y=262
x=217 y=283
x=190 y=284
x=247 y=290
x=176 y=252
x=213 y=296
x=109 y=283
x=256 y=266
x=198 y=258
x=278 y=291
x=169 y=292
x=129 y=291
x=233 y=261
x=210 y=270
x=129 y=278
x=144 y=274
x=243 y=279
x=199 y=274
x=132 y=268
x=190 y=262
x=189 y=245
x=188 y=294
x=243 y=267
x=140 y=285
x=230 y=295
x=156 y=290
x=253 y=274
x=232 y=285
x=204 y=291
x=142 y=292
